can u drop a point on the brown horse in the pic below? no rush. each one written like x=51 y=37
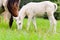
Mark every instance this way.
x=13 y=7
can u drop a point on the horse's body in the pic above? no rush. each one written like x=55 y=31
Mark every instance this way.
x=12 y=6
x=34 y=9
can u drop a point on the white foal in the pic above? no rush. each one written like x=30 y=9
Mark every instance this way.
x=34 y=9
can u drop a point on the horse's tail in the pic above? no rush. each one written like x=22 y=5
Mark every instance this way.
x=55 y=5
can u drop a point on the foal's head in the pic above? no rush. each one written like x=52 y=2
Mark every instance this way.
x=13 y=7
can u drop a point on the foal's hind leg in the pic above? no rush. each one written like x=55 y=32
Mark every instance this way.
x=52 y=22
x=34 y=22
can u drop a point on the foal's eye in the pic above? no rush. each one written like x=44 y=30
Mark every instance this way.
x=19 y=23
x=19 y=18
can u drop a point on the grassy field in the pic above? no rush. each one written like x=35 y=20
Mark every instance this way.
x=14 y=34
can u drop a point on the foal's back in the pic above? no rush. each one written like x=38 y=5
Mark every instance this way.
x=36 y=8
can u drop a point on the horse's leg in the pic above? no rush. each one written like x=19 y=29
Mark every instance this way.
x=52 y=22
x=6 y=16
x=34 y=22
x=11 y=21
x=29 y=20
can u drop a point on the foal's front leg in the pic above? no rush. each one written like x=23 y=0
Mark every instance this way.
x=34 y=22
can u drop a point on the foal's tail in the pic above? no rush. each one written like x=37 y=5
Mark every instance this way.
x=55 y=5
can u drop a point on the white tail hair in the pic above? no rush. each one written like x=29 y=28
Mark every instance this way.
x=55 y=6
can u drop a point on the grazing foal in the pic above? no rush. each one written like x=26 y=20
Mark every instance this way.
x=34 y=9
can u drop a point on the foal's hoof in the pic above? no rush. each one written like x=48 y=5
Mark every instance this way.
x=19 y=28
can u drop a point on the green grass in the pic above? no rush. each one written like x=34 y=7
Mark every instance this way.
x=14 y=34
